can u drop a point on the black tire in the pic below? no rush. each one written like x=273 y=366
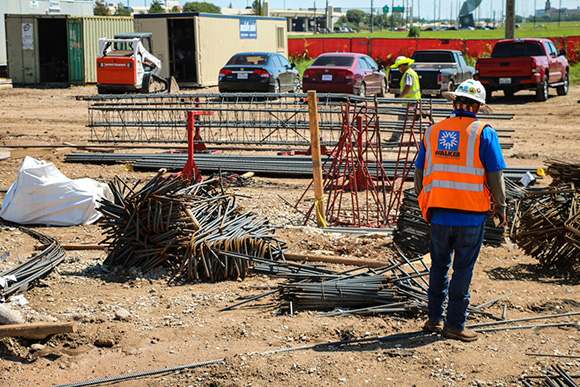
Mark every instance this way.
x=383 y=91
x=488 y=93
x=563 y=90
x=101 y=90
x=145 y=84
x=508 y=93
x=451 y=86
x=362 y=91
x=297 y=86
x=276 y=87
x=542 y=91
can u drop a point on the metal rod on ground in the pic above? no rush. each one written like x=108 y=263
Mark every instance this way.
x=548 y=355
x=564 y=324
x=492 y=301
x=316 y=159
x=523 y=319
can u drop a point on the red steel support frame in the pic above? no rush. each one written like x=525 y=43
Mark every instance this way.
x=190 y=171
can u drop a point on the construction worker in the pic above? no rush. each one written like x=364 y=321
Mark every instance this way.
x=459 y=162
x=410 y=87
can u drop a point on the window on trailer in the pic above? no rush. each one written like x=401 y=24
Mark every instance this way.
x=52 y=50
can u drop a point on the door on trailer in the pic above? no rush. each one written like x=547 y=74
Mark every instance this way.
x=182 y=50
x=53 y=50
x=75 y=52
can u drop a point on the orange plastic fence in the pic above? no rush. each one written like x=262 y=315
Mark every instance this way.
x=385 y=48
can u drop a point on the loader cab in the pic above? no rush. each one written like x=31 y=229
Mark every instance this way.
x=144 y=37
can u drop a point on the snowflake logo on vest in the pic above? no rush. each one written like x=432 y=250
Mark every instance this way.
x=448 y=140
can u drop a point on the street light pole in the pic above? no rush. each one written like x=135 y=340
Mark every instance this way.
x=372 y=24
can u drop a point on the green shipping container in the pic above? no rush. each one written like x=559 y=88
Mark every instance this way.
x=61 y=49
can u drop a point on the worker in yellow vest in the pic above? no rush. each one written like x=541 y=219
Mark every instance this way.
x=410 y=87
x=460 y=162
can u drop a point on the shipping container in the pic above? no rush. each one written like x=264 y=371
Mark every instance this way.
x=60 y=49
x=193 y=47
x=39 y=7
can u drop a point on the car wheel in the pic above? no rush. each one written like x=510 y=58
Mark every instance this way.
x=383 y=92
x=542 y=90
x=488 y=93
x=276 y=87
x=362 y=91
x=563 y=90
x=508 y=93
x=297 y=86
x=451 y=86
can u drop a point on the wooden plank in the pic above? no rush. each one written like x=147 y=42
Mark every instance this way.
x=335 y=259
x=316 y=160
x=36 y=330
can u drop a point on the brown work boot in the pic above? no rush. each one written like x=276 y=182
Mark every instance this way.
x=458 y=334
x=433 y=326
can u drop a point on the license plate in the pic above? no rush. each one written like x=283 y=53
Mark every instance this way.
x=242 y=76
x=505 y=81
x=327 y=77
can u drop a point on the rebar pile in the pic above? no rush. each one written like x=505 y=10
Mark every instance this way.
x=186 y=227
x=547 y=226
x=413 y=234
x=564 y=172
x=40 y=265
x=557 y=376
x=399 y=287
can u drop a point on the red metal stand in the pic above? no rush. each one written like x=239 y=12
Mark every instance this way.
x=360 y=193
x=190 y=171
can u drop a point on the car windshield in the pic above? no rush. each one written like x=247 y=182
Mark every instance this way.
x=248 y=60
x=339 y=61
x=433 y=57
x=517 y=49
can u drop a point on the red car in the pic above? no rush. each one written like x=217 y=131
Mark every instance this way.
x=345 y=73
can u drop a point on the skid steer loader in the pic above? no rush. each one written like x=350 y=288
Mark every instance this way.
x=126 y=65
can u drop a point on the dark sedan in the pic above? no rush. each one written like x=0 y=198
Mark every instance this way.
x=259 y=72
x=345 y=73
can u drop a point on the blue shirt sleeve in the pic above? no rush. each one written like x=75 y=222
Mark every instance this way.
x=420 y=161
x=490 y=150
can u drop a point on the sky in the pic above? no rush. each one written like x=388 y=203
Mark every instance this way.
x=425 y=8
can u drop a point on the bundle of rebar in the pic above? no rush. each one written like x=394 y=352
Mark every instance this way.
x=399 y=287
x=23 y=277
x=557 y=376
x=564 y=172
x=413 y=233
x=184 y=226
x=547 y=226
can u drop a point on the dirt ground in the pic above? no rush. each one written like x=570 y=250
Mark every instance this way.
x=138 y=323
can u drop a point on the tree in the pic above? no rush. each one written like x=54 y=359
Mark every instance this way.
x=121 y=10
x=355 y=16
x=257 y=7
x=175 y=9
x=101 y=9
x=201 y=6
x=156 y=7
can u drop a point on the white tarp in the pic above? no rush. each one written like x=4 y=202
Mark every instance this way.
x=41 y=194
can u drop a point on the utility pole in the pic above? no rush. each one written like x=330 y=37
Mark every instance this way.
x=510 y=18
x=559 y=12
x=326 y=16
x=372 y=24
x=535 y=13
x=393 y=14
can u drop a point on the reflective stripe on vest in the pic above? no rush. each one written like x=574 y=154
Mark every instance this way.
x=415 y=90
x=454 y=178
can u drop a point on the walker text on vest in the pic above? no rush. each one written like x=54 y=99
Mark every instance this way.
x=448 y=154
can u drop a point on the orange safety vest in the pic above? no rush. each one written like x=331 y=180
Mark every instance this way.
x=453 y=175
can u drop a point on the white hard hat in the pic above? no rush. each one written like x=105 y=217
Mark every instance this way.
x=471 y=89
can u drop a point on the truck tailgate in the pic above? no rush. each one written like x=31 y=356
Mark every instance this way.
x=508 y=67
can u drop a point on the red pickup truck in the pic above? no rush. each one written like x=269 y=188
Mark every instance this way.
x=524 y=64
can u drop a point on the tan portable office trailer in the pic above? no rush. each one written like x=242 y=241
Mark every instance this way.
x=193 y=47
x=59 y=49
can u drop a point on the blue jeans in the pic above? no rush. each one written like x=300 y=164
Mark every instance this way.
x=466 y=242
